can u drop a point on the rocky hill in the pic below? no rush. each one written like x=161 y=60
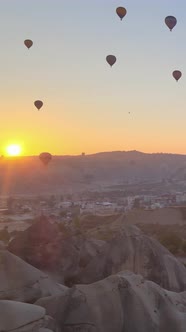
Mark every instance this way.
x=121 y=303
x=120 y=280
x=94 y=252
x=22 y=282
x=27 y=175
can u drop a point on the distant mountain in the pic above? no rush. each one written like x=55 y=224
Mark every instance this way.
x=28 y=175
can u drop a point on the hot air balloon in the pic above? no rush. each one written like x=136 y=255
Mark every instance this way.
x=121 y=11
x=170 y=21
x=45 y=158
x=28 y=43
x=38 y=104
x=177 y=75
x=111 y=59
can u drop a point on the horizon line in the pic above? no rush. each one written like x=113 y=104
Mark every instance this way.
x=95 y=153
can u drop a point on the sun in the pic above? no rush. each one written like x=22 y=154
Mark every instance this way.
x=13 y=150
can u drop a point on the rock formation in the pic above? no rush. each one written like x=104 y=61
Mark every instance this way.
x=22 y=317
x=121 y=303
x=22 y=282
x=98 y=252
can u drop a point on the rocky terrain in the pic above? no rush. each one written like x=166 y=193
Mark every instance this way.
x=22 y=282
x=124 y=302
x=167 y=226
x=94 y=252
x=98 y=277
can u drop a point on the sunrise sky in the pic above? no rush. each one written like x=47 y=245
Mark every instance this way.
x=87 y=103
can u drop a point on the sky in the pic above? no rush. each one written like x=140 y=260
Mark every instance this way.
x=86 y=102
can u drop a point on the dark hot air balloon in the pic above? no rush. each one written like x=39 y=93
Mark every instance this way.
x=121 y=12
x=111 y=59
x=38 y=104
x=170 y=21
x=28 y=43
x=177 y=74
x=45 y=158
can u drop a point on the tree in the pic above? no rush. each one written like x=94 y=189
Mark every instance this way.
x=184 y=246
x=136 y=204
x=51 y=201
x=77 y=222
x=63 y=214
x=4 y=235
x=172 y=242
x=10 y=202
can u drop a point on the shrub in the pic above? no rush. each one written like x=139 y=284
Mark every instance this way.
x=172 y=242
x=184 y=246
x=64 y=230
x=77 y=222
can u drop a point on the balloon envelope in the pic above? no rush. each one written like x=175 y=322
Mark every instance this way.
x=170 y=21
x=28 y=43
x=121 y=11
x=38 y=104
x=177 y=74
x=111 y=59
x=45 y=157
